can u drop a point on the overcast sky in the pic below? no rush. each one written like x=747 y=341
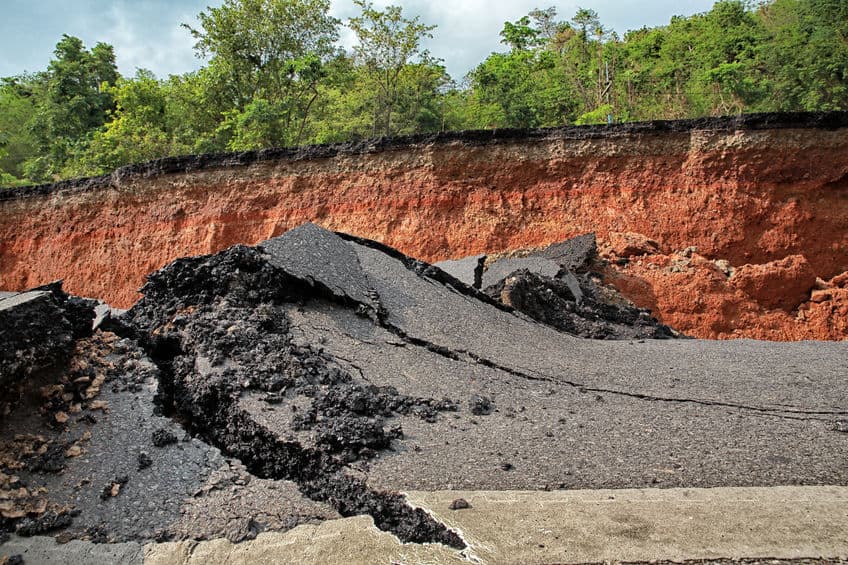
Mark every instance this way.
x=147 y=33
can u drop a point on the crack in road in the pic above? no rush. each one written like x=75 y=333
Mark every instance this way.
x=380 y=315
x=456 y=355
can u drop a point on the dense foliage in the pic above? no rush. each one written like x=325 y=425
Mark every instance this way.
x=274 y=76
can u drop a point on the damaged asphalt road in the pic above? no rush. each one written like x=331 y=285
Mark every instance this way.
x=340 y=372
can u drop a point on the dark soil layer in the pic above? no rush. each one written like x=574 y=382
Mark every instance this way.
x=189 y=163
x=38 y=330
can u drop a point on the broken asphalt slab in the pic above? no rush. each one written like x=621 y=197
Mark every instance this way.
x=468 y=270
x=348 y=382
x=502 y=268
x=37 y=333
x=542 y=284
x=576 y=254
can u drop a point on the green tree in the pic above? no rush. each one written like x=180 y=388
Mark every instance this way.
x=342 y=110
x=139 y=129
x=726 y=78
x=387 y=43
x=531 y=86
x=806 y=55
x=257 y=125
x=74 y=99
x=268 y=55
x=507 y=86
x=195 y=107
x=589 y=66
x=17 y=144
x=520 y=35
x=705 y=64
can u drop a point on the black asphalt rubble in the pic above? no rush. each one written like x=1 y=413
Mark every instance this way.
x=38 y=330
x=320 y=375
x=562 y=286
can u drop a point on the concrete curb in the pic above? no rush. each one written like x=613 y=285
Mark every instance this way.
x=648 y=524
x=587 y=526
x=572 y=527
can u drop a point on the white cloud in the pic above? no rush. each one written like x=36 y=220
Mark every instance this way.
x=468 y=30
x=148 y=39
x=147 y=34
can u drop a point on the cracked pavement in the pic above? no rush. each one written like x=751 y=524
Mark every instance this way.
x=318 y=375
x=574 y=413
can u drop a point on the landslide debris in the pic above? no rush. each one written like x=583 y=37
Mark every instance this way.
x=217 y=328
x=80 y=404
x=550 y=301
x=230 y=325
x=782 y=300
x=781 y=284
x=43 y=333
x=561 y=286
x=226 y=332
x=335 y=370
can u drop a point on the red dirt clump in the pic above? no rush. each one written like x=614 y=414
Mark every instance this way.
x=700 y=298
x=630 y=244
x=784 y=284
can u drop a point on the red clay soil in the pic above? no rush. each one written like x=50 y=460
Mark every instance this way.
x=746 y=195
x=711 y=299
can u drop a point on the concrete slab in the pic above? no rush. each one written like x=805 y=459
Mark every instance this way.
x=15 y=299
x=337 y=542
x=567 y=527
x=102 y=312
x=647 y=524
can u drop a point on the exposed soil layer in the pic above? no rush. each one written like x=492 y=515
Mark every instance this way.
x=748 y=190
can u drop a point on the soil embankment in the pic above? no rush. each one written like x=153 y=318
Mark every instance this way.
x=763 y=199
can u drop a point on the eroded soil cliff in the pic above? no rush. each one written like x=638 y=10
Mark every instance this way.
x=752 y=190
